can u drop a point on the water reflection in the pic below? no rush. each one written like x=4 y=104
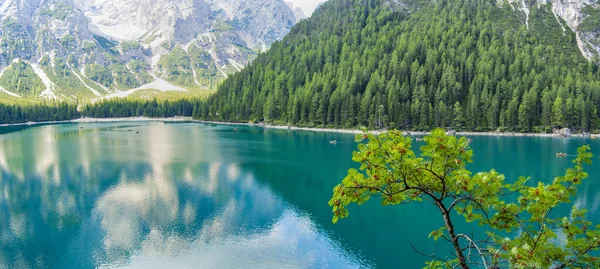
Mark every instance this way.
x=194 y=195
x=291 y=242
x=105 y=197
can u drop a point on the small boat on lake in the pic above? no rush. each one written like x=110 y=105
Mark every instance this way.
x=333 y=142
x=419 y=139
x=560 y=154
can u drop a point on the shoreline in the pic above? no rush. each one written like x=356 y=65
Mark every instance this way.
x=283 y=127
x=291 y=128
x=101 y=120
x=410 y=133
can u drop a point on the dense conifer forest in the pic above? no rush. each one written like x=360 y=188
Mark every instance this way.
x=466 y=64
x=16 y=113
x=123 y=108
x=115 y=108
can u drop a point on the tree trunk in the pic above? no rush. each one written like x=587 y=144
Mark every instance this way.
x=461 y=257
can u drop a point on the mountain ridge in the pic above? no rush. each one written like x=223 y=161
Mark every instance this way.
x=113 y=46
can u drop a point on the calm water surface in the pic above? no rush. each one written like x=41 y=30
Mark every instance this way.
x=188 y=195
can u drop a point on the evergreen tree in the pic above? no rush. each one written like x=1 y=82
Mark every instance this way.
x=373 y=63
x=558 y=112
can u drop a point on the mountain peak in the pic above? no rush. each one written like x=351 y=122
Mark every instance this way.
x=298 y=12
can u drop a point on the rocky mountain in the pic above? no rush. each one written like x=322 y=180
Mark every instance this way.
x=83 y=49
x=580 y=16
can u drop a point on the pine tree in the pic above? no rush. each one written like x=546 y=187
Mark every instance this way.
x=558 y=112
x=459 y=120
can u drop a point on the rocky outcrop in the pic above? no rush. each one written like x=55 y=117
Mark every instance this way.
x=117 y=45
x=571 y=14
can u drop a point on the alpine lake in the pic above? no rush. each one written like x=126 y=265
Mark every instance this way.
x=195 y=195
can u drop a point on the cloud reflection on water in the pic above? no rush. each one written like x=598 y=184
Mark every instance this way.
x=109 y=198
x=292 y=242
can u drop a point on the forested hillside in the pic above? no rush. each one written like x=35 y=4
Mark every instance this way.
x=468 y=64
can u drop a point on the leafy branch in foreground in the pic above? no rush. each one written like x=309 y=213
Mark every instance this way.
x=521 y=233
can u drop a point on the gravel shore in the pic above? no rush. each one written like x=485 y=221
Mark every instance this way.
x=291 y=128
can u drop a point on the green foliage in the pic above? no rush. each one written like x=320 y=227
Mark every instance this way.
x=114 y=108
x=140 y=69
x=16 y=40
x=378 y=64
x=222 y=26
x=20 y=78
x=176 y=67
x=201 y=59
x=106 y=44
x=558 y=112
x=64 y=78
x=88 y=46
x=124 y=79
x=206 y=70
x=20 y=113
x=119 y=108
x=591 y=23
x=68 y=42
x=149 y=37
x=60 y=10
x=166 y=45
x=99 y=74
x=111 y=58
x=170 y=95
x=129 y=45
x=522 y=232
x=545 y=28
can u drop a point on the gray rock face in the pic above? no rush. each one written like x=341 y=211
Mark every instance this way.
x=97 y=40
x=573 y=14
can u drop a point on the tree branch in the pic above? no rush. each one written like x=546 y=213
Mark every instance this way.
x=471 y=242
x=432 y=255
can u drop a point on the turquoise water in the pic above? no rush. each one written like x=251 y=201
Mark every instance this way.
x=189 y=195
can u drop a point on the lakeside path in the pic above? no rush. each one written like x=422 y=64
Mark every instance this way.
x=279 y=127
